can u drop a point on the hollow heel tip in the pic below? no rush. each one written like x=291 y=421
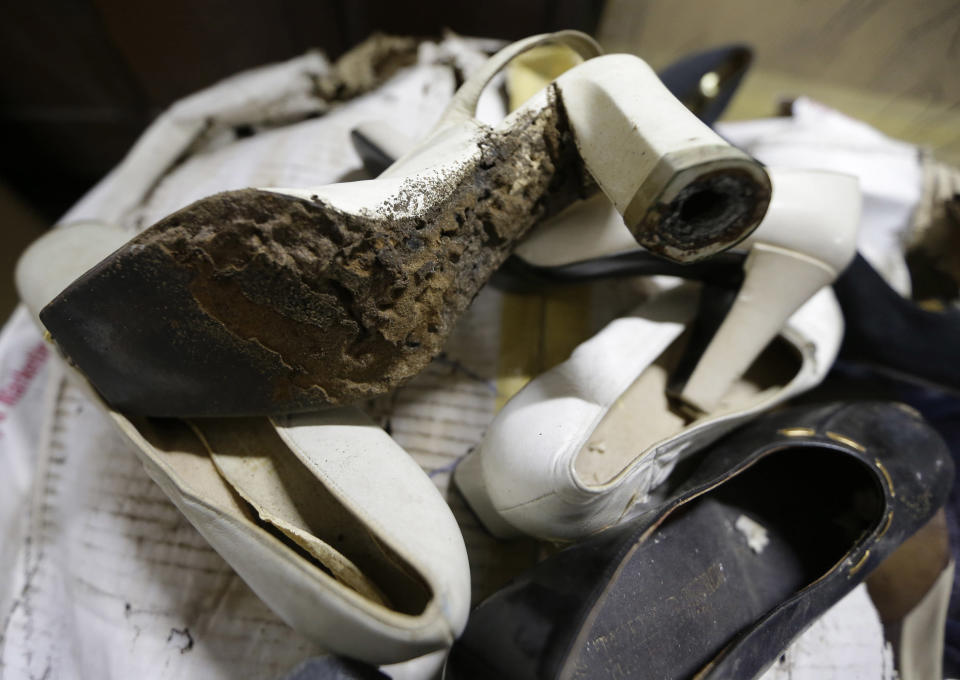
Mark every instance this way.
x=468 y=477
x=698 y=202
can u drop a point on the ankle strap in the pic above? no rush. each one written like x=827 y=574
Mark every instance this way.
x=464 y=103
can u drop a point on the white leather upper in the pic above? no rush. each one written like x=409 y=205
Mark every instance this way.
x=373 y=476
x=813 y=212
x=527 y=456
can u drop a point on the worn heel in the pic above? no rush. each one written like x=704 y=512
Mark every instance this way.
x=808 y=240
x=281 y=300
x=683 y=191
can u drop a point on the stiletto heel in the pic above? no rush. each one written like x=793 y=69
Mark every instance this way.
x=777 y=281
x=264 y=301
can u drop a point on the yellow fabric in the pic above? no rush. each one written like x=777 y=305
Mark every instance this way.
x=538 y=331
x=534 y=70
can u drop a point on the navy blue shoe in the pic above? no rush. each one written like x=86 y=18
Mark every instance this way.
x=755 y=540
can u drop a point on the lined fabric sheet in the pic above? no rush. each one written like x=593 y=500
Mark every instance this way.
x=101 y=575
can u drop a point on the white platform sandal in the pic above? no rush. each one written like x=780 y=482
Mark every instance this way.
x=265 y=301
x=583 y=444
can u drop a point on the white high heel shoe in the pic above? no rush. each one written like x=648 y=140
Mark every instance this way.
x=323 y=515
x=267 y=301
x=584 y=443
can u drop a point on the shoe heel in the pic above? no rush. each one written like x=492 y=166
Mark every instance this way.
x=683 y=191
x=468 y=476
x=776 y=283
x=807 y=239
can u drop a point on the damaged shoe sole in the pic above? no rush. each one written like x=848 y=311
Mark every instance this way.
x=272 y=301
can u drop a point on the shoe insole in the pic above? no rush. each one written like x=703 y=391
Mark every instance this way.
x=643 y=415
x=283 y=496
x=686 y=592
x=175 y=445
x=259 y=478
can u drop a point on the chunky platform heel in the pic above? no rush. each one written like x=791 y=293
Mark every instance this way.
x=265 y=301
x=684 y=193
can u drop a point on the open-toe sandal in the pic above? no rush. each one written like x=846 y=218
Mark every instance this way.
x=265 y=301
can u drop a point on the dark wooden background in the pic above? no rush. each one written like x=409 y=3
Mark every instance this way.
x=81 y=79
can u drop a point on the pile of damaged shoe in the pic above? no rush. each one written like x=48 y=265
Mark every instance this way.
x=698 y=523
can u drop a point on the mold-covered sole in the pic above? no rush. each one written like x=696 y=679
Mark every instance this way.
x=256 y=302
